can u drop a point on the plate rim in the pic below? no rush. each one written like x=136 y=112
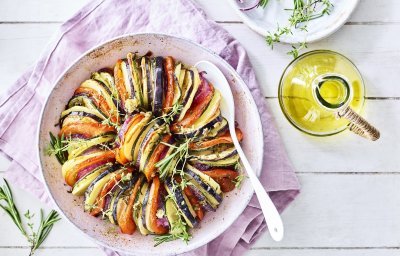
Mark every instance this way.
x=231 y=70
x=311 y=38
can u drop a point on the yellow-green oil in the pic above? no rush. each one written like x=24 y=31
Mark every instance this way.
x=298 y=101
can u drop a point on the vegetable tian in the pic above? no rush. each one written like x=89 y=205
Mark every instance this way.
x=147 y=147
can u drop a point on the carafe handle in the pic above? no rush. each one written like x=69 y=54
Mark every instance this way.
x=358 y=124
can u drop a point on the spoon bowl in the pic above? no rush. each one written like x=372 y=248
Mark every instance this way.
x=218 y=80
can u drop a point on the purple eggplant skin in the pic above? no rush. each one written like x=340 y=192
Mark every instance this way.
x=125 y=187
x=112 y=168
x=188 y=90
x=194 y=134
x=82 y=114
x=180 y=201
x=205 y=186
x=158 y=84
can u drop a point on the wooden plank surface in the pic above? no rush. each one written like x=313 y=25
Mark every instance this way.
x=349 y=201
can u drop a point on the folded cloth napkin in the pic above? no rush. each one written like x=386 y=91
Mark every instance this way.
x=99 y=21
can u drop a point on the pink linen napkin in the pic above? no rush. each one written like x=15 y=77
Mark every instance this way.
x=99 y=21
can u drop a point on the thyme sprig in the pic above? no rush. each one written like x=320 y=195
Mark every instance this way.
x=302 y=13
x=35 y=238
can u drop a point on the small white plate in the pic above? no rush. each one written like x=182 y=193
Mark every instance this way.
x=266 y=20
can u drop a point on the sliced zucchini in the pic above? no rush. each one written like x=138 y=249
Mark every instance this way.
x=149 y=146
x=137 y=209
x=207 y=179
x=80 y=147
x=96 y=186
x=71 y=163
x=230 y=161
x=85 y=111
x=83 y=183
x=146 y=83
x=180 y=202
x=190 y=86
x=136 y=75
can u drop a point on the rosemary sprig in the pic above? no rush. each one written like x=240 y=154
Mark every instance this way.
x=35 y=239
x=58 y=148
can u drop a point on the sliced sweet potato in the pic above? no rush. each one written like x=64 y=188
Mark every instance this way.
x=72 y=175
x=224 y=138
x=150 y=168
x=86 y=130
x=125 y=221
x=195 y=202
x=200 y=102
x=224 y=177
x=99 y=101
x=154 y=201
x=119 y=83
x=169 y=67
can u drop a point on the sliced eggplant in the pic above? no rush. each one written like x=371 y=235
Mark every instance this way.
x=148 y=146
x=177 y=193
x=207 y=188
x=150 y=127
x=96 y=186
x=102 y=91
x=144 y=209
x=82 y=111
x=200 y=130
x=83 y=183
x=132 y=135
x=157 y=82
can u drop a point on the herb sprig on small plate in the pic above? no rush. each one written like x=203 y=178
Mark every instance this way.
x=35 y=238
x=302 y=13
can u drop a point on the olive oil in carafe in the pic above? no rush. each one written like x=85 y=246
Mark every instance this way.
x=298 y=98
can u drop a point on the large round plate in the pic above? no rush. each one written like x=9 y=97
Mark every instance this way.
x=106 y=55
x=266 y=20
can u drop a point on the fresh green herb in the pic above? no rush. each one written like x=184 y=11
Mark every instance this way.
x=180 y=152
x=168 y=118
x=302 y=12
x=239 y=180
x=35 y=239
x=58 y=148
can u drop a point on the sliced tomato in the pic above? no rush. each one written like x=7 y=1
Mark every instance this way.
x=224 y=138
x=72 y=175
x=150 y=167
x=224 y=177
x=200 y=102
x=100 y=102
x=119 y=83
x=87 y=130
x=195 y=202
x=154 y=201
x=125 y=220
x=169 y=67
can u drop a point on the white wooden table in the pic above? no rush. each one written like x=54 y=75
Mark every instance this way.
x=350 y=200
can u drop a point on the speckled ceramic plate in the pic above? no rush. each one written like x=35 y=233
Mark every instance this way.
x=264 y=20
x=106 y=55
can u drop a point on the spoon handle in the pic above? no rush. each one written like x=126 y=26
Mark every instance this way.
x=271 y=214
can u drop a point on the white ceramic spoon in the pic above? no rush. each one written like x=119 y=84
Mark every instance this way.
x=218 y=80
